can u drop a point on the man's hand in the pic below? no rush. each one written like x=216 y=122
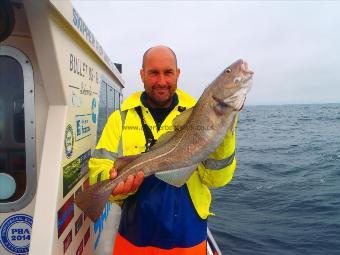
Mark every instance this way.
x=130 y=185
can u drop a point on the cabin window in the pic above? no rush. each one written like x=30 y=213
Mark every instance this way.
x=117 y=100
x=17 y=131
x=102 y=112
x=109 y=101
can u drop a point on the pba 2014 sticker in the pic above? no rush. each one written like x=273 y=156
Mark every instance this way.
x=16 y=233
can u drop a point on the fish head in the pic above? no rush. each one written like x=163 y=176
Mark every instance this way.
x=232 y=85
x=238 y=75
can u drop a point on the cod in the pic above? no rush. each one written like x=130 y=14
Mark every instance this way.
x=197 y=133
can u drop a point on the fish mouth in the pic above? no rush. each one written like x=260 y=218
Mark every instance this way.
x=246 y=74
x=244 y=68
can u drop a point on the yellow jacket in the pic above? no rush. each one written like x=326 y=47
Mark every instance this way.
x=215 y=172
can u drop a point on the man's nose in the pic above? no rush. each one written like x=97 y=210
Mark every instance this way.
x=161 y=80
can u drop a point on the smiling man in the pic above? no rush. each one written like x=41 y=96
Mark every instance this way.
x=158 y=218
x=159 y=75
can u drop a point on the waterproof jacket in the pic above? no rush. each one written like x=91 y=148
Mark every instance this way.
x=160 y=218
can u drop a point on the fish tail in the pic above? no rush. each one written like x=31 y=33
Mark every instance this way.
x=92 y=200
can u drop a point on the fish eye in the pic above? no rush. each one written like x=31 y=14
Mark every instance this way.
x=228 y=70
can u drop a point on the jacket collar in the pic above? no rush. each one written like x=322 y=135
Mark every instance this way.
x=184 y=100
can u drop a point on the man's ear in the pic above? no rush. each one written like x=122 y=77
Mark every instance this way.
x=178 y=72
x=141 y=72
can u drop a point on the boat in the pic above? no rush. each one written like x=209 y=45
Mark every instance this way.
x=58 y=87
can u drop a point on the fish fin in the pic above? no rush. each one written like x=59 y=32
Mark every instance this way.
x=123 y=161
x=233 y=124
x=163 y=139
x=178 y=122
x=176 y=177
x=92 y=200
x=182 y=119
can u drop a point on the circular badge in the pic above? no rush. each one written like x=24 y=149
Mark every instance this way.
x=69 y=141
x=16 y=233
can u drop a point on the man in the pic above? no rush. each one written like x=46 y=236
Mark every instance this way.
x=158 y=218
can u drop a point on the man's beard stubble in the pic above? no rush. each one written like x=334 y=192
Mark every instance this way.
x=158 y=103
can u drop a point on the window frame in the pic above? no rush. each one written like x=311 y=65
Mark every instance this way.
x=30 y=135
x=108 y=84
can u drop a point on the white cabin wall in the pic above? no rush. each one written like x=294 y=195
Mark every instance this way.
x=47 y=39
x=22 y=41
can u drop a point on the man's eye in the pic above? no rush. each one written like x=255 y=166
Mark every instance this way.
x=169 y=72
x=153 y=73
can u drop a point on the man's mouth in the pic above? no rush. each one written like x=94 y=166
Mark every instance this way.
x=162 y=91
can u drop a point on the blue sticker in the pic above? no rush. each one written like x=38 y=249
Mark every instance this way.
x=16 y=233
x=94 y=110
x=83 y=126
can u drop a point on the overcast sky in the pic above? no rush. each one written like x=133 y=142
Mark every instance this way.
x=292 y=46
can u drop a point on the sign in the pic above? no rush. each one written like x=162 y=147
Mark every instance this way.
x=16 y=233
x=74 y=171
x=83 y=126
x=65 y=215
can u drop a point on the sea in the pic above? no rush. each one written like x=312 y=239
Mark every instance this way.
x=285 y=194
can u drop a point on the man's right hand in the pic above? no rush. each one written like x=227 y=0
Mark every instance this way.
x=131 y=184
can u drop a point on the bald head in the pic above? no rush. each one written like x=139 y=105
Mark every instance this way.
x=160 y=49
x=159 y=75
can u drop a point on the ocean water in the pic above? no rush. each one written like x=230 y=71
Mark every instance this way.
x=285 y=194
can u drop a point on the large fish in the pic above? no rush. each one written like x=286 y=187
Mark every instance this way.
x=175 y=156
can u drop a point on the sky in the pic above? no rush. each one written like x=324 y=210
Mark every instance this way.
x=293 y=47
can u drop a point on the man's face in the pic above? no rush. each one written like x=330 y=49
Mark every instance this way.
x=159 y=76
